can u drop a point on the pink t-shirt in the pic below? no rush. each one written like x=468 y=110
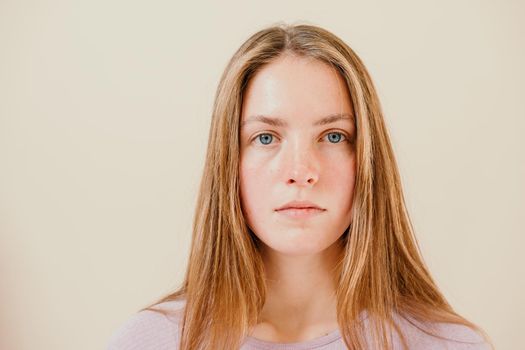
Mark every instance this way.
x=149 y=330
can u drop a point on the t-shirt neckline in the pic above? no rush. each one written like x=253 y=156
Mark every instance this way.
x=309 y=344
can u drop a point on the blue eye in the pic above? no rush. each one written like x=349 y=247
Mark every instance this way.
x=266 y=137
x=334 y=137
x=337 y=138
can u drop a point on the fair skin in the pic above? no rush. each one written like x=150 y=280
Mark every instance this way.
x=297 y=160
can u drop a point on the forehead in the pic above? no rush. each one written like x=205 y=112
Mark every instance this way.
x=296 y=86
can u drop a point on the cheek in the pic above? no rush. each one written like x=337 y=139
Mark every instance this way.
x=257 y=170
x=339 y=179
x=254 y=186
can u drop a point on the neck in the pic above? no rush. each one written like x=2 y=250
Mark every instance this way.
x=301 y=292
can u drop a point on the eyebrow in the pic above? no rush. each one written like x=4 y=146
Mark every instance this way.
x=275 y=121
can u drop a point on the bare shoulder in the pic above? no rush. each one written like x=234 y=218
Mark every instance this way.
x=451 y=336
x=149 y=329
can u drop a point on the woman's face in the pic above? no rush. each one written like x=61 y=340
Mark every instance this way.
x=289 y=156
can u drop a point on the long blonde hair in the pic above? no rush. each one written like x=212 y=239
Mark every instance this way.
x=382 y=270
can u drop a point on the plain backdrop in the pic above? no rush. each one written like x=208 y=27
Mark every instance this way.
x=105 y=109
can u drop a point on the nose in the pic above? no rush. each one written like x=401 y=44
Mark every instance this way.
x=302 y=169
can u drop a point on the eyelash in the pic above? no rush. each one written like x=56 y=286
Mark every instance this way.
x=346 y=138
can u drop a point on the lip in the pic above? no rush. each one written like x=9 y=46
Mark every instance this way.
x=300 y=205
x=300 y=213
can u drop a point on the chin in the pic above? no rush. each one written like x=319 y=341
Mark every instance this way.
x=302 y=248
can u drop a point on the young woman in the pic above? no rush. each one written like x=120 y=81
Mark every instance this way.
x=301 y=237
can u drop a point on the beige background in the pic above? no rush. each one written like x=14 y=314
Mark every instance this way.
x=104 y=117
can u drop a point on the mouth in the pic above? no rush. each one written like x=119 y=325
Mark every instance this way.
x=299 y=205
